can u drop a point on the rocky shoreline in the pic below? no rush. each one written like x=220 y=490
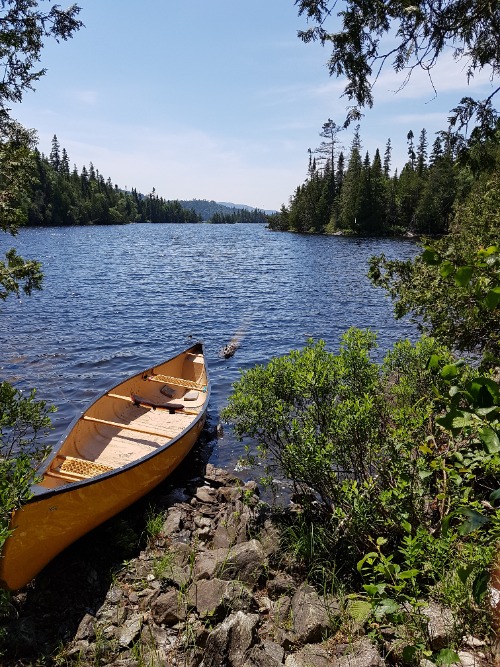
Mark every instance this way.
x=212 y=589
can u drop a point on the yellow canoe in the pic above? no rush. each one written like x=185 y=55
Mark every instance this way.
x=128 y=441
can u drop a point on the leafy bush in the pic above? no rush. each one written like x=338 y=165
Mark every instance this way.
x=396 y=467
x=23 y=421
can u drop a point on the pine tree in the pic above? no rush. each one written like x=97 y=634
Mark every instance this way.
x=328 y=148
x=411 y=149
x=422 y=153
x=64 y=163
x=387 y=158
x=55 y=156
x=349 y=205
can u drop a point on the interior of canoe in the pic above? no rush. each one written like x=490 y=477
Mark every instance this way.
x=132 y=420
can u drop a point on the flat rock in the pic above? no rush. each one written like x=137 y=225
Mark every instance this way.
x=229 y=644
x=216 y=598
x=440 y=625
x=361 y=653
x=281 y=584
x=168 y=608
x=312 y=614
x=86 y=628
x=173 y=522
x=267 y=654
x=244 y=562
x=127 y=633
x=205 y=494
x=310 y=655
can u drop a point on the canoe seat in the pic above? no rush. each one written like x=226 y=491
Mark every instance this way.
x=177 y=382
x=71 y=468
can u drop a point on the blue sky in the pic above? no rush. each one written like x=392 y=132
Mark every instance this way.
x=214 y=99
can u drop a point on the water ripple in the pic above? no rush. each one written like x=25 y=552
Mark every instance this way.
x=118 y=299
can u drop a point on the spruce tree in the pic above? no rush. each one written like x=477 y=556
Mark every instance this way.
x=55 y=155
x=387 y=158
x=349 y=204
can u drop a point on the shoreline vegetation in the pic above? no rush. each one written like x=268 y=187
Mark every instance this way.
x=58 y=196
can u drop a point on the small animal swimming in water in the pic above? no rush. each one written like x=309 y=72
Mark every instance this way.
x=228 y=350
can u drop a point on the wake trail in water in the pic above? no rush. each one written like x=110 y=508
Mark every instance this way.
x=230 y=348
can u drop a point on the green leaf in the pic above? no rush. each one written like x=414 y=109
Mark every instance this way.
x=495 y=495
x=446 y=269
x=474 y=520
x=433 y=362
x=484 y=412
x=490 y=250
x=463 y=276
x=430 y=256
x=367 y=558
x=449 y=371
x=492 y=298
x=447 y=656
x=359 y=610
x=490 y=439
x=374 y=589
x=387 y=606
x=485 y=392
x=464 y=573
x=381 y=541
x=409 y=653
x=406 y=526
x=480 y=586
x=408 y=574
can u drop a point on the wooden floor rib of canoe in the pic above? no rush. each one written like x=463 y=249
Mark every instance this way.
x=116 y=444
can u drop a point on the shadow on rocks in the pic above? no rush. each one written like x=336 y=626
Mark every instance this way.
x=49 y=611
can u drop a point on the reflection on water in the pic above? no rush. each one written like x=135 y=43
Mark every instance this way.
x=118 y=299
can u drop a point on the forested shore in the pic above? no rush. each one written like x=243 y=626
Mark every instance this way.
x=360 y=195
x=60 y=196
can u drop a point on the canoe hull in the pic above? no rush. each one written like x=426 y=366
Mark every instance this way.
x=56 y=518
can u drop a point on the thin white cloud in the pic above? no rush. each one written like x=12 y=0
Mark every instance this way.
x=185 y=162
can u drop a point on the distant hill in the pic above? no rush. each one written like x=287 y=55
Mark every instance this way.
x=207 y=209
x=244 y=207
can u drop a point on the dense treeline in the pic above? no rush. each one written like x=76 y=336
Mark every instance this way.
x=238 y=215
x=60 y=196
x=216 y=212
x=357 y=194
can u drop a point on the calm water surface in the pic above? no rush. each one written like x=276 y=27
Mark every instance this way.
x=118 y=299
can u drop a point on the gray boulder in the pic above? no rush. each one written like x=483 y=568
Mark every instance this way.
x=168 y=608
x=361 y=653
x=229 y=644
x=312 y=615
x=217 y=597
x=440 y=625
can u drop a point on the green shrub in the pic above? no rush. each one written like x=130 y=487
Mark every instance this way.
x=396 y=467
x=23 y=422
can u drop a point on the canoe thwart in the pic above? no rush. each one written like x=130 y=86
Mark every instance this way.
x=126 y=427
x=177 y=382
x=144 y=403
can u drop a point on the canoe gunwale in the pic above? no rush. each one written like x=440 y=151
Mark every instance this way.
x=40 y=492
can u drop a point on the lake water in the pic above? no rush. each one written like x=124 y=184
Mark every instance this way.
x=118 y=299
